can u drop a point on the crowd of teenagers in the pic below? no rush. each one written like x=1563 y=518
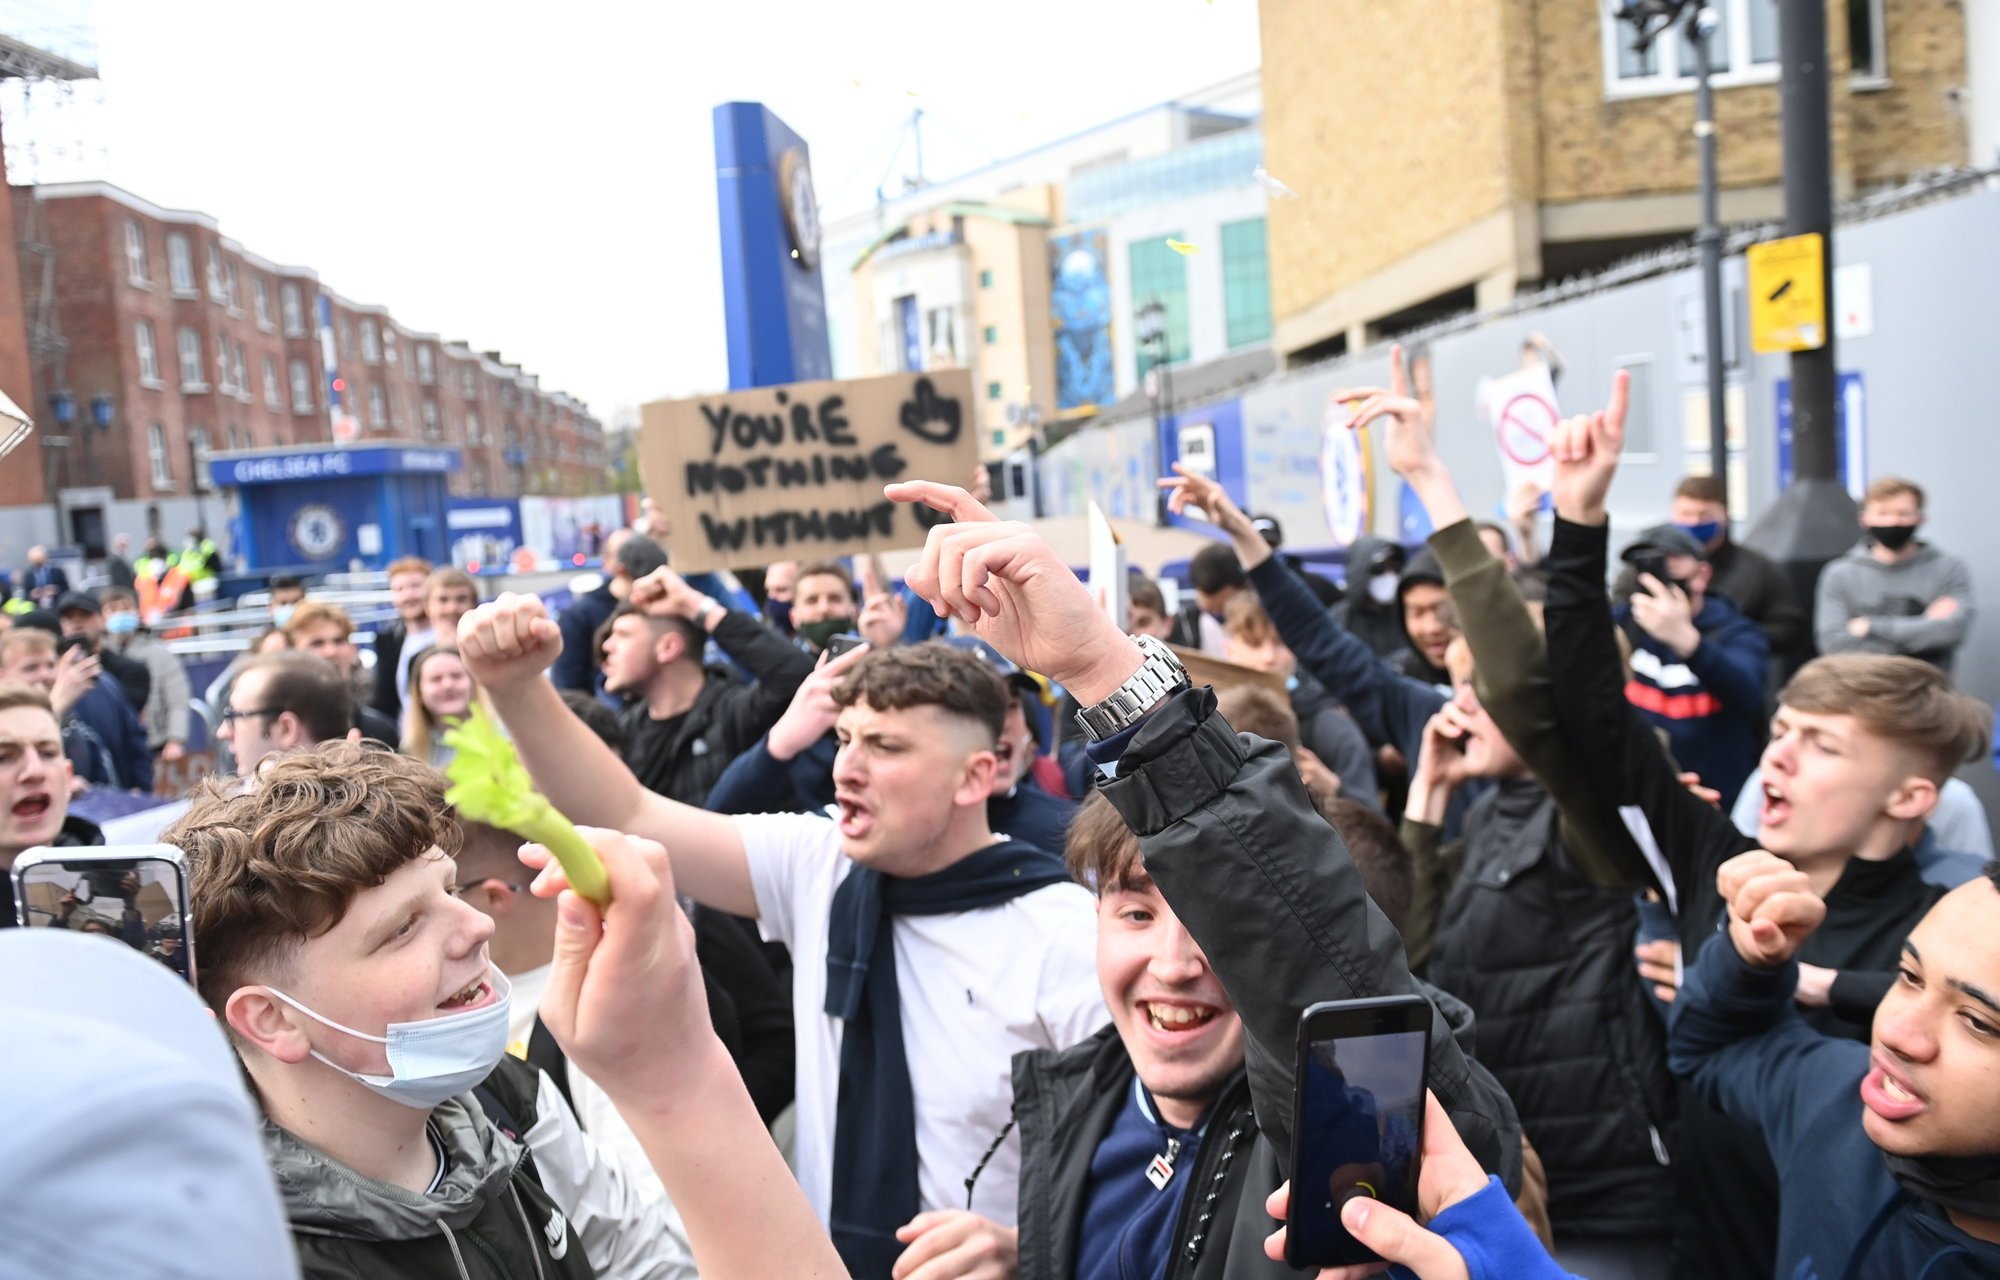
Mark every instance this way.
x=977 y=950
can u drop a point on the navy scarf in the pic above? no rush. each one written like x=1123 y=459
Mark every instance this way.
x=875 y=1120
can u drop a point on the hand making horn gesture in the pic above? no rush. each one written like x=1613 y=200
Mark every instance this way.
x=1007 y=584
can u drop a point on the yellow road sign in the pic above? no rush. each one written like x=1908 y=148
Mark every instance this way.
x=1788 y=294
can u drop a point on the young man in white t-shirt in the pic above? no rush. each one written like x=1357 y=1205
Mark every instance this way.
x=972 y=985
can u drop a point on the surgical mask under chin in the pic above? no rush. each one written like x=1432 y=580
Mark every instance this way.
x=825 y=629
x=1382 y=587
x=121 y=624
x=435 y=1059
x=1704 y=533
x=1893 y=536
x=281 y=615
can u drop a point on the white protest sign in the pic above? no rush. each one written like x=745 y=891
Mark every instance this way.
x=1108 y=582
x=1521 y=409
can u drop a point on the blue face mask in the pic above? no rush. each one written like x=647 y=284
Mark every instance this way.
x=121 y=624
x=281 y=615
x=435 y=1059
x=1704 y=533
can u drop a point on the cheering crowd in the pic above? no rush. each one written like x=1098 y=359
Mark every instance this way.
x=955 y=933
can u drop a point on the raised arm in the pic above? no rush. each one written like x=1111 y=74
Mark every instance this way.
x=1511 y=667
x=1390 y=708
x=1258 y=878
x=1612 y=746
x=625 y=1002
x=508 y=646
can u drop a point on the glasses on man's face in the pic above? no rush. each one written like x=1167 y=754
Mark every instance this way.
x=233 y=714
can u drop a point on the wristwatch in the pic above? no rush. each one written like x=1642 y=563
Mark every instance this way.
x=709 y=604
x=1159 y=677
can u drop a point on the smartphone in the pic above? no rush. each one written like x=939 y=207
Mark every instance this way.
x=1358 y=1120
x=844 y=643
x=1655 y=563
x=134 y=894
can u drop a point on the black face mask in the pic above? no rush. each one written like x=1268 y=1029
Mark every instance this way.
x=825 y=629
x=1969 y=1184
x=1893 y=536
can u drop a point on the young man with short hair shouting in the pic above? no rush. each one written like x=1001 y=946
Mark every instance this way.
x=928 y=949
x=1859 y=747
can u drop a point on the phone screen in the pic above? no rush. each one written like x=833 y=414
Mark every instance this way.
x=140 y=902
x=1360 y=1131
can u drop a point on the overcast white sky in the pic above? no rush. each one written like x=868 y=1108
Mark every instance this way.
x=540 y=177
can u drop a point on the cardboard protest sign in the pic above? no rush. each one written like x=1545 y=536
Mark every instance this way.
x=796 y=472
x=1206 y=669
x=1109 y=582
x=1521 y=407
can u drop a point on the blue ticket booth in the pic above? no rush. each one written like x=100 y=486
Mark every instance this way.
x=322 y=508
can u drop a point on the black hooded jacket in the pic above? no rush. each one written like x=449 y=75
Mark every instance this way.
x=1379 y=626
x=1267 y=889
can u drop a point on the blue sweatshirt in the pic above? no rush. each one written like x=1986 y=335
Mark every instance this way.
x=1710 y=704
x=1739 y=1040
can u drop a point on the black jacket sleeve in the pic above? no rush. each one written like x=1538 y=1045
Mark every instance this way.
x=388 y=651
x=1268 y=890
x=778 y=668
x=1607 y=737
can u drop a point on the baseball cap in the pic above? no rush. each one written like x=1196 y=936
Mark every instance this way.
x=128 y=1126
x=1269 y=530
x=75 y=601
x=1666 y=540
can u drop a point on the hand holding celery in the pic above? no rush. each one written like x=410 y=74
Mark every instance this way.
x=490 y=785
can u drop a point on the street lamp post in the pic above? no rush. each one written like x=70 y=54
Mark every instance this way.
x=1150 y=327
x=62 y=407
x=1649 y=19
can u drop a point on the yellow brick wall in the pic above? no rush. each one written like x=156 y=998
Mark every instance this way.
x=1387 y=117
x=1597 y=148
x=1914 y=123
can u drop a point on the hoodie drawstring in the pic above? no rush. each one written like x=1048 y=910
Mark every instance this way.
x=534 y=1241
x=456 y=1256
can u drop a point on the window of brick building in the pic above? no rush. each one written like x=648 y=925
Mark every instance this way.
x=371 y=342
x=426 y=363
x=378 y=406
x=260 y=301
x=232 y=285
x=302 y=387
x=149 y=352
x=193 y=373
x=274 y=395
x=1867 y=55
x=292 y=305
x=472 y=435
x=1744 y=50
x=213 y=274
x=156 y=453
x=180 y=265
x=432 y=428
x=137 y=269
x=198 y=446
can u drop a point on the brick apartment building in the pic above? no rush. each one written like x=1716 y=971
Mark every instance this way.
x=166 y=339
x=1447 y=152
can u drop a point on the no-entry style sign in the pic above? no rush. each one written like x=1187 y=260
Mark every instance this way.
x=1521 y=407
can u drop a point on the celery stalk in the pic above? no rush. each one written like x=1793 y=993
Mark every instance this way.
x=490 y=785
